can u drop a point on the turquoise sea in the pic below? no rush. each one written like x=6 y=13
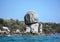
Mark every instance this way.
x=51 y=38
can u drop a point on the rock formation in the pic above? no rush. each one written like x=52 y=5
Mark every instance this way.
x=31 y=21
x=31 y=17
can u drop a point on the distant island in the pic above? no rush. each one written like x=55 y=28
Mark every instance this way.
x=17 y=27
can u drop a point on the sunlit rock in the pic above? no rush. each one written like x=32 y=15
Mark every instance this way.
x=27 y=29
x=31 y=21
x=6 y=29
x=30 y=17
x=17 y=31
x=34 y=28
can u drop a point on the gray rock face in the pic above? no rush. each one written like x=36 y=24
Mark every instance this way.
x=30 y=17
x=34 y=28
x=31 y=21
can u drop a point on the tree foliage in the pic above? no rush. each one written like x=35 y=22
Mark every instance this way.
x=13 y=25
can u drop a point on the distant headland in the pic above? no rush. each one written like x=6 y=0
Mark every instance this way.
x=30 y=26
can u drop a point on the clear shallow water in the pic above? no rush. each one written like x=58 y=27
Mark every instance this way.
x=52 y=38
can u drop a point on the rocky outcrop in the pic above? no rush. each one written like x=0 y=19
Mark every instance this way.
x=31 y=21
x=31 y=18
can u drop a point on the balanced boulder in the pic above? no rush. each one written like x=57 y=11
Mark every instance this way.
x=31 y=17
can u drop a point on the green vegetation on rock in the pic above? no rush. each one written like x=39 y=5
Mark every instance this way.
x=16 y=24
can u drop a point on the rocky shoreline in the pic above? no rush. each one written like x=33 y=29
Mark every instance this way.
x=28 y=34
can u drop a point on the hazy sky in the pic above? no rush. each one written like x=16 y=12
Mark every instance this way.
x=48 y=10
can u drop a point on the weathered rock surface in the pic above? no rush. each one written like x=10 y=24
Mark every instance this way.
x=31 y=21
x=30 y=17
x=34 y=28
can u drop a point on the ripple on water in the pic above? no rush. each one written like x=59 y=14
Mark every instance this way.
x=53 y=38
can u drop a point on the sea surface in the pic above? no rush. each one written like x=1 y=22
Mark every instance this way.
x=51 y=38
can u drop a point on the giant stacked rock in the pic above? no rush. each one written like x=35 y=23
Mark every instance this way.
x=31 y=21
